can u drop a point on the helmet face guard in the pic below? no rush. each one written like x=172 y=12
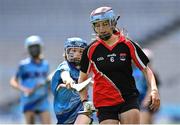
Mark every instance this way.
x=73 y=55
x=73 y=49
x=34 y=50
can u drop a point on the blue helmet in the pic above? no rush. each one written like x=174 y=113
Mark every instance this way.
x=75 y=42
x=72 y=43
x=33 y=40
x=101 y=14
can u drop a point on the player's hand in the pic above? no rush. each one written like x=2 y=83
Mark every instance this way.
x=68 y=83
x=26 y=90
x=88 y=108
x=155 y=100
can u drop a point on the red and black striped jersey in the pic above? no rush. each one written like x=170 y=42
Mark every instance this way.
x=112 y=71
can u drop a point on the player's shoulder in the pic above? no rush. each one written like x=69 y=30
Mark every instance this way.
x=63 y=65
x=135 y=43
x=25 y=61
x=131 y=43
x=92 y=46
x=45 y=62
x=93 y=43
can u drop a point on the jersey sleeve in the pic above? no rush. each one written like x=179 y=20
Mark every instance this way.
x=55 y=81
x=18 y=73
x=56 y=78
x=64 y=66
x=85 y=62
x=138 y=56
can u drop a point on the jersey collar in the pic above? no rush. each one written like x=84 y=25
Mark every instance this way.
x=121 y=38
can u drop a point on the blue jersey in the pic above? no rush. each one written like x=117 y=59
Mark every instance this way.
x=31 y=75
x=67 y=102
x=140 y=83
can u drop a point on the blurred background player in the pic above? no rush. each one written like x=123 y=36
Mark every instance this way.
x=146 y=115
x=67 y=102
x=31 y=80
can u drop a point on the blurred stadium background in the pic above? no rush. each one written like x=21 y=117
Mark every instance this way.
x=155 y=24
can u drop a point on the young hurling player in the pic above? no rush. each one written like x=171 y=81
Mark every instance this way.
x=31 y=80
x=67 y=102
x=110 y=57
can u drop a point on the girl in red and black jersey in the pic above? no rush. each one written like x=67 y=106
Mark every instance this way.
x=110 y=58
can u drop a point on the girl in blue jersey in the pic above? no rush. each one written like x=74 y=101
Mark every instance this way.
x=31 y=80
x=67 y=102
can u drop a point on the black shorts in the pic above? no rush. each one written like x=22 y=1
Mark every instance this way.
x=112 y=112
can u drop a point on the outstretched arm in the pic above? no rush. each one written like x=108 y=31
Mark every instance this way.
x=66 y=78
x=154 y=97
x=67 y=81
x=15 y=84
x=83 y=93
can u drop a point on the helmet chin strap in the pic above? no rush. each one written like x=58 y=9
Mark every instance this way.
x=105 y=37
x=76 y=64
